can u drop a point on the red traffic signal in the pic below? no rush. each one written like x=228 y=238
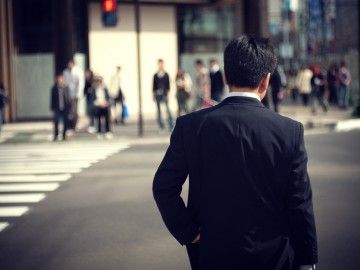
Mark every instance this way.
x=109 y=16
x=109 y=6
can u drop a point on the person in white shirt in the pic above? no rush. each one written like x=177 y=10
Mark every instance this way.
x=117 y=97
x=101 y=99
x=74 y=80
x=303 y=83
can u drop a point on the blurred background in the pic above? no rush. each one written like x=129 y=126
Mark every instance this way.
x=39 y=37
x=86 y=203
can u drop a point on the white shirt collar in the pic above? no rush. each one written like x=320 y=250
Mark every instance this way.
x=242 y=94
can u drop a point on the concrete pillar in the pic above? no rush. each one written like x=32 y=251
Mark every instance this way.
x=251 y=18
x=7 y=57
x=64 y=41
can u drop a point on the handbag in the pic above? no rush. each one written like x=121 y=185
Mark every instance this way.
x=125 y=111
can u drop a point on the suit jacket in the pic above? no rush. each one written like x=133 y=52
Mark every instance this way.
x=55 y=102
x=249 y=191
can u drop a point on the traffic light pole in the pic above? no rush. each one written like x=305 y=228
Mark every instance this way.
x=137 y=25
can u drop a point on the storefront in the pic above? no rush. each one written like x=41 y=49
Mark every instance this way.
x=44 y=35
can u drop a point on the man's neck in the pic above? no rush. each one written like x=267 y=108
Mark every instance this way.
x=243 y=90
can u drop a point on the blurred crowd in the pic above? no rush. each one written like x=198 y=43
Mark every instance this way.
x=314 y=85
x=102 y=103
x=317 y=86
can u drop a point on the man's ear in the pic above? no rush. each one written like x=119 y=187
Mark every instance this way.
x=264 y=84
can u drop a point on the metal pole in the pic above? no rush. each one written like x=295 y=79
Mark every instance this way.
x=137 y=25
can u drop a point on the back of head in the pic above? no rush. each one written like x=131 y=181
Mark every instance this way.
x=247 y=61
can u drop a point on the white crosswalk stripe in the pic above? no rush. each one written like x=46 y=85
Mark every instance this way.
x=29 y=171
x=35 y=178
x=13 y=211
x=3 y=225
x=28 y=187
x=22 y=198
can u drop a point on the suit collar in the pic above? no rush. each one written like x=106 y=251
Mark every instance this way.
x=242 y=100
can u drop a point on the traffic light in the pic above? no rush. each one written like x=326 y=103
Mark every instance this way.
x=109 y=9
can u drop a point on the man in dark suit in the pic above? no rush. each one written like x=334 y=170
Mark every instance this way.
x=60 y=104
x=250 y=201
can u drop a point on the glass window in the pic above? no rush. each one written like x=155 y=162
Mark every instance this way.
x=205 y=29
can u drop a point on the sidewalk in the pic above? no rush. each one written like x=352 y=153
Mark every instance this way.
x=40 y=132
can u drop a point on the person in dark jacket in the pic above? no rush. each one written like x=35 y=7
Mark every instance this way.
x=3 y=100
x=319 y=89
x=333 y=83
x=250 y=200
x=216 y=81
x=275 y=83
x=60 y=104
x=88 y=93
x=161 y=88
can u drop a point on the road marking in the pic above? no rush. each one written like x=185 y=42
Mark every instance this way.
x=13 y=211
x=22 y=198
x=41 y=165
x=28 y=187
x=39 y=171
x=35 y=178
x=3 y=226
x=11 y=159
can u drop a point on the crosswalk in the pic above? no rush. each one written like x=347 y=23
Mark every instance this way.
x=29 y=172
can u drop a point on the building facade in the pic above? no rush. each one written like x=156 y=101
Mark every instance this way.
x=38 y=37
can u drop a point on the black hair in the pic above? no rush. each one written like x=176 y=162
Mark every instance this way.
x=247 y=60
x=199 y=62
x=160 y=60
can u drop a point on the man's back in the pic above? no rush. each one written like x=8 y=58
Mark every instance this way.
x=238 y=187
x=250 y=201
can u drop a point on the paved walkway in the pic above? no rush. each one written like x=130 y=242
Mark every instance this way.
x=42 y=131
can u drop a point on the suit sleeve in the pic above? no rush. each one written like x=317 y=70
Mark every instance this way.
x=300 y=207
x=167 y=187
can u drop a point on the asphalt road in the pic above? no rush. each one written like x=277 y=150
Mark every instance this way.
x=105 y=216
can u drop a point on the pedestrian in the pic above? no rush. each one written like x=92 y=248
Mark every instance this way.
x=161 y=88
x=3 y=100
x=333 y=83
x=275 y=83
x=101 y=101
x=120 y=99
x=216 y=81
x=117 y=96
x=250 y=199
x=74 y=79
x=88 y=93
x=60 y=105
x=318 y=89
x=345 y=79
x=292 y=87
x=202 y=86
x=183 y=90
x=303 y=83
